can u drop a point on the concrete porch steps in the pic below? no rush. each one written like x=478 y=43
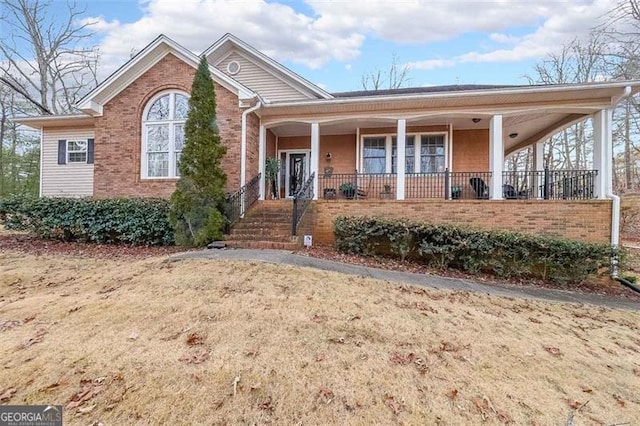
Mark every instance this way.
x=267 y=225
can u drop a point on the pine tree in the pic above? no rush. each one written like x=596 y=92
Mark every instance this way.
x=198 y=201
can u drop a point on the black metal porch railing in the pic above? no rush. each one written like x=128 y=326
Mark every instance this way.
x=357 y=186
x=301 y=201
x=549 y=184
x=237 y=204
x=448 y=185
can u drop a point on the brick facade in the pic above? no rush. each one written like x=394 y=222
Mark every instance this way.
x=579 y=220
x=118 y=133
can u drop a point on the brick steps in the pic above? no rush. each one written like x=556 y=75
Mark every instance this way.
x=267 y=225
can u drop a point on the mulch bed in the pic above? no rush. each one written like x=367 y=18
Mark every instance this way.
x=25 y=243
x=604 y=288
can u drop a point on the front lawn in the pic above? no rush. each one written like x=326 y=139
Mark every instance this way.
x=136 y=339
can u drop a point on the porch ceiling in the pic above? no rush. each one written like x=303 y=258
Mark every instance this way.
x=529 y=127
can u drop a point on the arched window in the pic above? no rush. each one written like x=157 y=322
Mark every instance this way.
x=163 y=134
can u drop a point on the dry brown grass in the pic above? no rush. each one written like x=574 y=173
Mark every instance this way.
x=150 y=342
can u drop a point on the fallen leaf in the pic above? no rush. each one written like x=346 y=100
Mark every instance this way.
x=393 y=404
x=587 y=389
x=9 y=324
x=618 y=399
x=87 y=409
x=452 y=394
x=553 y=351
x=573 y=403
x=481 y=404
x=326 y=394
x=400 y=359
x=6 y=394
x=196 y=357
x=535 y=320
x=266 y=404
x=194 y=339
x=133 y=336
x=319 y=318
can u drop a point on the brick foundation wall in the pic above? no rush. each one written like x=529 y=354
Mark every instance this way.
x=579 y=220
x=118 y=133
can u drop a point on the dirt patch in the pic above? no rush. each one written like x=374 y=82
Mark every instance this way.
x=140 y=340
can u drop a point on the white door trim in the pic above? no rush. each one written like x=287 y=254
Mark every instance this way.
x=288 y=153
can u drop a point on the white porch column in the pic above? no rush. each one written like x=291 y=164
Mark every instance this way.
x=315 y=156
x=601 y=151
x=262 y=149
x=496 y=156
x=401 y=140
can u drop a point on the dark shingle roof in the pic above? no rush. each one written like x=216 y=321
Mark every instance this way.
x=417 y=90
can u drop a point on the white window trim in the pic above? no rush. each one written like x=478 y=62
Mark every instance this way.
x=144 y=169
x=86 y=151
x=417 y=141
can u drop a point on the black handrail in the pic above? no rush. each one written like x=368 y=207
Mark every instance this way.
x=237 y=204
x=301 y=201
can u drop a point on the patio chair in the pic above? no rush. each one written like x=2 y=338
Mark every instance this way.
x=510 y=193
x=480 y=188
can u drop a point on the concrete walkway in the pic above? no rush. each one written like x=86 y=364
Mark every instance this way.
x=282 y=257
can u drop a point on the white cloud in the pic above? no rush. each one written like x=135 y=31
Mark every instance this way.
x=431 y=64
x=337 y=30
x=275 y=29
x=348 y=67
x=504 y=38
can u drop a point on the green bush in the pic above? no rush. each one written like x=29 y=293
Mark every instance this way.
x=503 y=254
x=134 y=221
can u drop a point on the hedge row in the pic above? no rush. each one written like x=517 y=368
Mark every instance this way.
x=134 y=221
x=503 y=254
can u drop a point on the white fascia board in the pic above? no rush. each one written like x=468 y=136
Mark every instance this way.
x=162 y=45
x=274 y=64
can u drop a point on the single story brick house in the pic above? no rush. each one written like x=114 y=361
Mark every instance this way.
x=427 y=153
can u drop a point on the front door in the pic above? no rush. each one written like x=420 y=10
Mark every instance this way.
x=297 y=171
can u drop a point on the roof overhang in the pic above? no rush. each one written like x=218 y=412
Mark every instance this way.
x=39 y=122
x=93 y=102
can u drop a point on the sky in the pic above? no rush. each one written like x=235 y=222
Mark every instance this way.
x=333 y=43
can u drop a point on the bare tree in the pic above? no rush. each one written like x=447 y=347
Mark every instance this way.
x=47 y=61
x=395 y=77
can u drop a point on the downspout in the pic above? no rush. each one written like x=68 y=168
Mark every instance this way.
x=243 y=143
x=615 y=209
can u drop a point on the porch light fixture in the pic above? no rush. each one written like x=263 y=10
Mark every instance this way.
x=328 y=156
x=513 y=135
x=476 y=120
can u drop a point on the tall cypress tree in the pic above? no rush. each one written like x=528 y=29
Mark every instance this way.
x=198 y=202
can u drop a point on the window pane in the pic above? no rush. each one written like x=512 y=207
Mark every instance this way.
x=178 y=143
x=374 y=155
x=157 y=138
x=374 y=165
x=76 y=145
x=177 y=171
x=158 y=164
x=409 y=154
x=77 y=157
x=181 y=107
x=159 y=109
x=432 y=153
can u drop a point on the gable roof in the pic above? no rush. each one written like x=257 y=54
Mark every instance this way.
x=422 y=89
x=93 y=102
x=220 y=48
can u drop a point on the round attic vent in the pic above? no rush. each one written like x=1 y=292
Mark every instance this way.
x=233 y=67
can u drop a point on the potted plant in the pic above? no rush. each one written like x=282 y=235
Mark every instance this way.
x=456 y=191
x=348 y=190
x=271 y=170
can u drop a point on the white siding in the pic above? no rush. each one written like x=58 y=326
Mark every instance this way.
x=64 y=180
x=267 y=85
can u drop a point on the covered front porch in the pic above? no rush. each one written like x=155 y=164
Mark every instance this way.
x=449 y=157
